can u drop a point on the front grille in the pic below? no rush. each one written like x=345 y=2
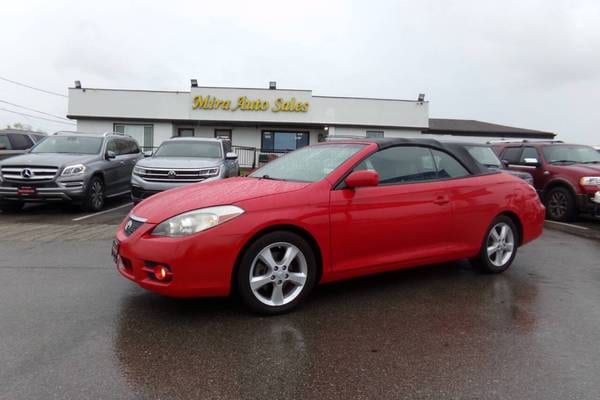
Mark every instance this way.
x=175 y=175
x=19 y=173
x=132 y=225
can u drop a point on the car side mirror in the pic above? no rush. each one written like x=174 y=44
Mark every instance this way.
x=147 y=153
x=505 y=163
x=362 y=178
x=110 y=155
x=531 y=161
x=231 y=156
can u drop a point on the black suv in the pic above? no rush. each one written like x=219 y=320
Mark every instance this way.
x=74 y=167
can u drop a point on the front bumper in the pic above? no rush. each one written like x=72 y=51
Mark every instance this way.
x=142 y=189
x=589 y=203
x=63 y=190
x=201 y=264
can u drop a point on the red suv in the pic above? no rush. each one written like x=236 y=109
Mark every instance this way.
x=566 y=176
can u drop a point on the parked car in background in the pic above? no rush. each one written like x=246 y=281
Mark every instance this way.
x=15 y=141
x=182 y=161
x=566 y=176
x=72 y=167
x=326 y=212
x=485 y=155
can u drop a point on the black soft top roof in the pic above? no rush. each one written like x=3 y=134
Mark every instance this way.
x=459 y=152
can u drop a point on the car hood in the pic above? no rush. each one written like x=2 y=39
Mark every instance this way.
x=583 y=169
x=178 y=162
x=49 y=159
x=199 y=195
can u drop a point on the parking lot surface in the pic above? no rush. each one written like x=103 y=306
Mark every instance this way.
x=71 y=327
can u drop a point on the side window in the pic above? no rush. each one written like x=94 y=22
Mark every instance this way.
x=38 y=138
x=512 y=155
x=401 y=164
x=529 y=153
x=447 y=166
x=112 y=146
x=20 y=142
x=5 y=143
x=133 y=147
x=123 y=147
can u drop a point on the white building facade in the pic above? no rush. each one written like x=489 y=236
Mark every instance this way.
x=270 y=120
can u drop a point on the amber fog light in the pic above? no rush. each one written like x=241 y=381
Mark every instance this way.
x=158 y=272
x=161 y=273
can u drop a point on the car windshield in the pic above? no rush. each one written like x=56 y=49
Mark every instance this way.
x=485 y=156
x=571 y=154
x=309 y=164
x=69 y=144
x=189 y=149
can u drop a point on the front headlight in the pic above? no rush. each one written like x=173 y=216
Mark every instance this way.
x=138 y=170
x=590 y=181
x=196 y=221
x=74 y=169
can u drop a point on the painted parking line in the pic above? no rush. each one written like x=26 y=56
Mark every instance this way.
x=102 y=212
x=569 y=225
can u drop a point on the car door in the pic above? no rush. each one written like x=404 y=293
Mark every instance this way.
x=526 y=159
x=112 y=169
x=407 y=218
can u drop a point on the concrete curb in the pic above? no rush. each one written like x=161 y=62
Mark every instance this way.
x=573 y=229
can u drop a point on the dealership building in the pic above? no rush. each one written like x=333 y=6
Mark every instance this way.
x=270 y=120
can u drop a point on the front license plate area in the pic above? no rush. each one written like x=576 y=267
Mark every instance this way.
x=114 y=252
x=26 y=191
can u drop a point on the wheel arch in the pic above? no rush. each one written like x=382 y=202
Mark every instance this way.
x=517 y=221
x=558 y=183
x=276 y=228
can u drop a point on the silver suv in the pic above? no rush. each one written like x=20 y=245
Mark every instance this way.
x=74 y=167
x=181 y=161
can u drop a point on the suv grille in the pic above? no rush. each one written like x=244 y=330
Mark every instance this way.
x=175 y=175
x=132 y=225
x=28 y=174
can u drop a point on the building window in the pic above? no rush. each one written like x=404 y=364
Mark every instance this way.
x=223 y=133
x=185 y=132
x=143 y=134
x=283 y=141
x=374 y=134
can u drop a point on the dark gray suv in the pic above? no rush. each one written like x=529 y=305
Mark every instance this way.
x=14 y=142
x=74 y=167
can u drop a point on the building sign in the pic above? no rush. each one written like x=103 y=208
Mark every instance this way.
x=246 y=104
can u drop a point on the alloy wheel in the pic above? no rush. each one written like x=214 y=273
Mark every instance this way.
x=558 y=204
x=500 y=244
x=278 y=274
x=97 y=195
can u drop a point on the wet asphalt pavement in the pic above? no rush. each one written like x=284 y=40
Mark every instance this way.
x=72 y=328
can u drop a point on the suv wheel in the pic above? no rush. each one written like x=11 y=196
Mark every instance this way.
x=94 y=200
x=560 y=204
x=276 y=273
x=13 y=206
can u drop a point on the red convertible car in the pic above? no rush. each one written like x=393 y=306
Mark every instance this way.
x=323 y=213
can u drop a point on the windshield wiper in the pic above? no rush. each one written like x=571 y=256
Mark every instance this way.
x=592 y=162
x=563 y=161
x=270 y=178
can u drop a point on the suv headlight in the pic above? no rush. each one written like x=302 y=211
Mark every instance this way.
x=74 y=169
x=196 y=221
x=590 y=181
x=138 y=170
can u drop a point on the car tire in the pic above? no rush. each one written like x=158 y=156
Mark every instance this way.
x=11 y=207
x=560 y=204
x=94 y=198
x=284 y=269
x=499 y=246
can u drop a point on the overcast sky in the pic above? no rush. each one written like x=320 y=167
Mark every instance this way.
x=530 y=64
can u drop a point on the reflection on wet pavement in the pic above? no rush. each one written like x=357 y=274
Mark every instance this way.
x=443 y=331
